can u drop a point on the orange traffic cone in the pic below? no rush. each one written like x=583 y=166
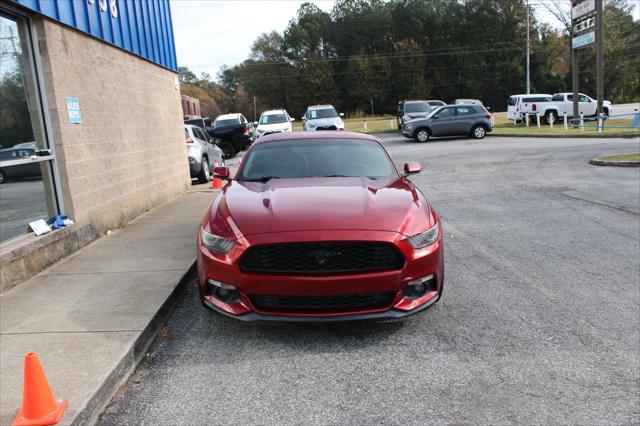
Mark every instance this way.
x=38 y=405
x=216 y=183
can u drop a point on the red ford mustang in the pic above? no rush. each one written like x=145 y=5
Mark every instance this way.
x=319 y=226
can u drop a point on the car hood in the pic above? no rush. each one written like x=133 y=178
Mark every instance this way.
x=331 y=121
x=307 y=204
x=276 y=127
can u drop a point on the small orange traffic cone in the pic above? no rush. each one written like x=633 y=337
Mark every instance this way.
x=216 y=183
x=38 y=405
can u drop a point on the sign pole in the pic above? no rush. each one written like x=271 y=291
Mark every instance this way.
x=599 y=56
x=574 y=72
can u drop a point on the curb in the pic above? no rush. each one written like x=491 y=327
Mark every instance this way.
x=97 y=403
x=604 y=135
x=598 y=162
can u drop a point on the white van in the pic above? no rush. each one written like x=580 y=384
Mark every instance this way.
x=517 y=103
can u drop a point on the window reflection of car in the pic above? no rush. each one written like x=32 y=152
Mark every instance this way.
x=16 y=163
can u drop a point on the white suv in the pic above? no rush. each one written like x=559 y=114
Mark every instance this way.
x=274 y=121
x=322 y=117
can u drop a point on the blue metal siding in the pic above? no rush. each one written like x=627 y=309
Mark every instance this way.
x=142 y=27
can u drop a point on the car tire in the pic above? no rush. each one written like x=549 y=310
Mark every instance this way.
x=548 y=115
x=3 y=177
x=205 y=172
x=422 y=135
x=606 y=112
x=227 y=149
x=478 y=132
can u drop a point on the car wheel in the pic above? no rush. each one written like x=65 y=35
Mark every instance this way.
x=478 y=132
x=205 y=174
x=548 y=115
x=422 y=135
x=227 y=149
x=3 y=178
x=606 y=112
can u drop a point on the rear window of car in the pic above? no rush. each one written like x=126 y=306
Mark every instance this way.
x=558 y=98
x=416 y=107
x=465 y=110
x=225 y=122
x=536 y=99
x=513 y=100
x=317 y=158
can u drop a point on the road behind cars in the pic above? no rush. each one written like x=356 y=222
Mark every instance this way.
x=539 y=322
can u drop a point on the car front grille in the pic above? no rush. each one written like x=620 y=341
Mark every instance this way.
x=321 y=258
x=322 y=303
x=326 y=128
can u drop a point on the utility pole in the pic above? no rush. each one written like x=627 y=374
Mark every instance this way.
x=254 y=109
x=528 y=90
x=599 y=56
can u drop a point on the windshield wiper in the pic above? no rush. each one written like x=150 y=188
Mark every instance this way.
x=335 y=176
x=262 y=179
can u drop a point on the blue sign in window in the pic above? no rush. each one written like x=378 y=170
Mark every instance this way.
x=73 y=110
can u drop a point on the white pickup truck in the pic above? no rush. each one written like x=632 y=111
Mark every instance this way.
x=563 y=102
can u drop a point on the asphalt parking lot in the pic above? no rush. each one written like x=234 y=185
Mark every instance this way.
x=539 y=324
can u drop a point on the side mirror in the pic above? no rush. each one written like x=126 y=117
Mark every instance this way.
x=435 y=117
x=292 y=119
x=255 y=123
x=488 y=108
x=412 y=168
x=342 y=114
x=222 y=173
x=304 y=118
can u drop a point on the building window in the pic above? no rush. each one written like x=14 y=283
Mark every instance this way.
x=27 y=190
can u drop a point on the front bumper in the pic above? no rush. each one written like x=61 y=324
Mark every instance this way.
x=224 y=268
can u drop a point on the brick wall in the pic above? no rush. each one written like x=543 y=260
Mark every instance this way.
x=128 y=154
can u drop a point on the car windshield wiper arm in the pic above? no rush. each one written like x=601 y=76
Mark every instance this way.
x=261 y=179
x=335 y=176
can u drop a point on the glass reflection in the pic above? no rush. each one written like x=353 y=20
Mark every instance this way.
x=24 y=196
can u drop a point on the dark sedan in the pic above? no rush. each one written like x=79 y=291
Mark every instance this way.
x=16 y=163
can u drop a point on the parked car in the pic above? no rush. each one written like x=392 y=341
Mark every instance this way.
x=324 y=227
x=450 y=120
x=410 y=109
x=15 y=163
x=273 y=121
x=518 y=102
x=232 y=133
x=202 y=153
x=562 y=103
x=322 y=117
x=467 y=102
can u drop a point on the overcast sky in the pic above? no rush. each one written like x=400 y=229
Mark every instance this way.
x=212 y=33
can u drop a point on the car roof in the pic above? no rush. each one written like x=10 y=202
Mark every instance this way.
x=274 y=111
x=319 y=107
x=227 y=116
x=326 y=134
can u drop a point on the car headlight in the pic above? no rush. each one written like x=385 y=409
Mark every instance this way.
x=216 y=243
x=425 y=238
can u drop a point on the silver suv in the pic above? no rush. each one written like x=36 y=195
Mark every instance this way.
x=450 y=120
x=322 y=117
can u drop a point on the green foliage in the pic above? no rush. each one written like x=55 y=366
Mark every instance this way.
x=386 y=51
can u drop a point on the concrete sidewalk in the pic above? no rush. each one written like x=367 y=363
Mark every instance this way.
x=91 y=317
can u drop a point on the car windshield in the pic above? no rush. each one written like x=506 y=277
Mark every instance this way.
x=273 y=119
x=322 y=113
x=225 y=122
x=316 y=158
x=416 y=107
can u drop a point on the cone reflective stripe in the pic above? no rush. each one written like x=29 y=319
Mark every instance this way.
x=38 y=404
x=216 y=183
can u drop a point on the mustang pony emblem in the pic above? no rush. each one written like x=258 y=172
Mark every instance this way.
x=322 y=257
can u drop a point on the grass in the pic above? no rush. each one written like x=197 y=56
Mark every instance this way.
x=611 y=126
x=383 y=124
x=634 y=156
x=375 y=124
